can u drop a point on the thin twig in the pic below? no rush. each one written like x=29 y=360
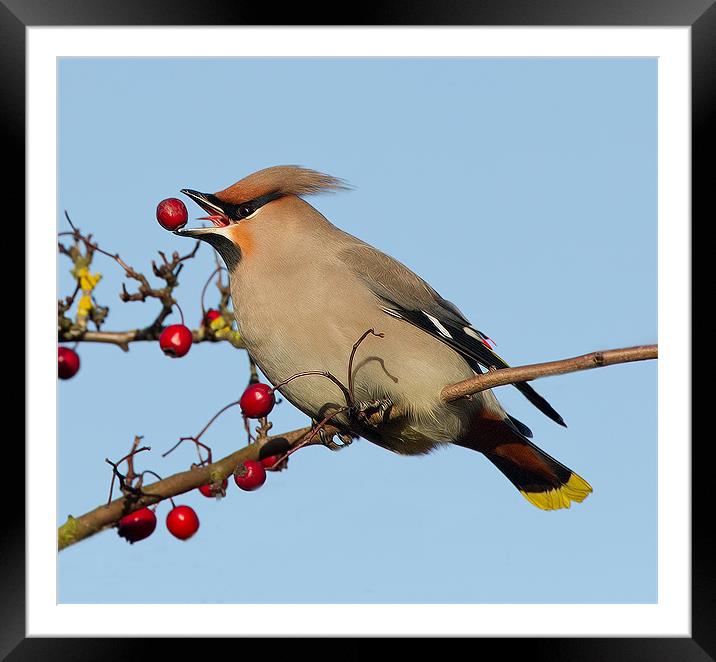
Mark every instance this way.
x=318 y=373
x=505 y=376
x=356 y=345
x=196 y=438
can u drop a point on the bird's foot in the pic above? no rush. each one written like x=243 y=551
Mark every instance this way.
x=345 y=441
x=328 y=441
x=363 y=411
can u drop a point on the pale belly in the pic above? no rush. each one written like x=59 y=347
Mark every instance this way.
x=308 y=330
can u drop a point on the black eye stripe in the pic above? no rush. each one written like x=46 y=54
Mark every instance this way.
x=238 y=212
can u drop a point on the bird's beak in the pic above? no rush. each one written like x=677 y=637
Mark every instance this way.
x=211 y=204
x=198 y=233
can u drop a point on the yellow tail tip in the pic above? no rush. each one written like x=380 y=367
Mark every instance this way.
x=575 y=489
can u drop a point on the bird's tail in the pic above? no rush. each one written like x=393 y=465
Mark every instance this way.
x=542 y=480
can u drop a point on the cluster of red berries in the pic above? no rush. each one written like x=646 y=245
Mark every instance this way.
x=257 y=401
x=249 y=476
x=182 y=522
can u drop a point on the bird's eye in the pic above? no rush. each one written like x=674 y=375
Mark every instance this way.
x=240 y=212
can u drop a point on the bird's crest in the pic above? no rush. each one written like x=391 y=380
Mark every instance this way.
x=279 y=181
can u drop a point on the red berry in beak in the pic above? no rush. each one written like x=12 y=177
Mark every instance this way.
x=182 y=522
x=250 y=475
x=257 y=401
x=172 y=214
x=137 y=525
x=175 y=340
x=68 y=362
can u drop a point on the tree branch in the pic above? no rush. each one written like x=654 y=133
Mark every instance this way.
x=76 y=529
x=150 y=333
x=505 y=376
x=79 y=528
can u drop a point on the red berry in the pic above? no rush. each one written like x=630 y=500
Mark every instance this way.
x=270 y=461
x=250 y=475
x=68 y=362
x=209 y=491
x=257 y=401
x=210 y=316
x=172 y=214
x=182 y=522
x=137 y=525
x=175 y=340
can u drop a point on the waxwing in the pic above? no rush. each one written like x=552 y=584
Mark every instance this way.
x=304 y=292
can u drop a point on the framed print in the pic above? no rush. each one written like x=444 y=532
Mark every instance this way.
x=536 y=164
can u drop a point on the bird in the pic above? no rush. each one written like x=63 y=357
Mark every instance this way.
x=304 y=291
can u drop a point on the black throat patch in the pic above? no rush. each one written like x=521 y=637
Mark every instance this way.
x=230 y=252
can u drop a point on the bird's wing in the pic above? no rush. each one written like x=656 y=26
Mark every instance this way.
x=406 y=296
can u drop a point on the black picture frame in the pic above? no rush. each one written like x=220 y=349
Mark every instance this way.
x=700 y=15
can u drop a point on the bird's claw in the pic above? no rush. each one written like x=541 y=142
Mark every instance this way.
x=364 y=410
x=326 y=439
x=346 y=440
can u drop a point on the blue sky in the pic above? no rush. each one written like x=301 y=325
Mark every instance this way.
x=522 y=190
